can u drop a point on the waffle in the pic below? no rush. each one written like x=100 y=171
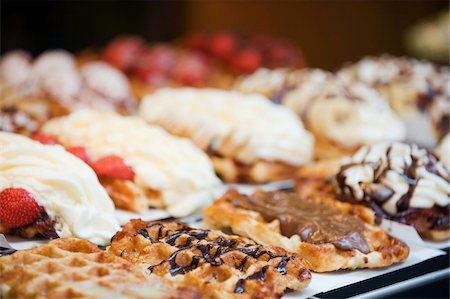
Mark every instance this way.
x=219 y=265
x=327 y=179
x=369 y=247
x=74 y=268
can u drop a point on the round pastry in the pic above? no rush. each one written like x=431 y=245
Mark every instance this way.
x=342 y=116
x=53 y=85
x=416 y=90
x=46 y=191
x=401 y=182
x=140 y=165
x=248 y=137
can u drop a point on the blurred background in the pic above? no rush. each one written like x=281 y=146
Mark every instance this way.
x=329 y=32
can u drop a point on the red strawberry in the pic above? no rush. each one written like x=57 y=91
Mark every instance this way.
x=123 y=52
x=17 y=207
x=223 y=45
x=191 y=69
x=196 y=41
x=45 y=138
x=247 y=61
x=80 y=152
x=114 y=167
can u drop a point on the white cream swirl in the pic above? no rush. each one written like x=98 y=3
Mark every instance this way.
x=172 y=165
x=397 y=176
x=347 y=114
x=64 y=185
x=443 y=151
x=244 y=127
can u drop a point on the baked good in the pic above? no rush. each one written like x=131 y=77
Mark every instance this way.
x=46 y=191
x=410 y=85
x=330 y=235
x=75 y=268
x=342 y=116
x=54 y=85
x=158 y=170
x=218 y=265
x=248 y=138
x=443 y=151
x=401 y=182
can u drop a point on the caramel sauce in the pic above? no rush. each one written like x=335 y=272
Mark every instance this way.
x=314 y=222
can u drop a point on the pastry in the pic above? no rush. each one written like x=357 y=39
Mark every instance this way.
x=75 y=268
x=218 y=265
x=330 y=235
x=342 y=116
x=54 y=85
x=410 y=85
x=398 y=181
x=140 y=165
x=46 y=191
x=248 y=138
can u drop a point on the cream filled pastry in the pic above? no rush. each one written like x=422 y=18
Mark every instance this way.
x=400 y=181
x=410 y=85
x=46 y=190
x=342 y=116
x=140 y=165
x=53 y=85
x=443 y=151
x=248 y=137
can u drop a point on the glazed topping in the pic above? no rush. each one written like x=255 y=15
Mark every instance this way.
x=349 y=114
x=395 y=176
x=160 y=161
x=314 y=222
x=244 y=127
x=62 y=184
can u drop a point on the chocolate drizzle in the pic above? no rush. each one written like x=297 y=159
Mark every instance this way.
x=378 y=191
x=314 y=222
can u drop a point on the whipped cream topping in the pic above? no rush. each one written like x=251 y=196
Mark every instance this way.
x=347 y=114
x=443 y=151
x=410 y=85
x=263 y=81
x=61 y=183
x=54 y=75
x=172 y=165
x=15 y=68
x=244 y=127
x=396 y=176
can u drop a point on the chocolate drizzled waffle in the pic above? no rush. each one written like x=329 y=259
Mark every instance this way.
x=219 y=265
x=74 y=268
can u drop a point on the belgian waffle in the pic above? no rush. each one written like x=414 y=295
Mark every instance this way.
x=74 y=268
x=219 y=265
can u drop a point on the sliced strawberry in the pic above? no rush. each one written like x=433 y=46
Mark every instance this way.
x=222 y=45
x=114 y=167
x=17 y=207
x=247 y=61
x=45 y=138
x=80 y=152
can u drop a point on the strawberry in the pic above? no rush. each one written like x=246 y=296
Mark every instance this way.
x=17 y=207
x=123 y=52
x=80 y=152
x=45 y=138
x=222 y=45
x=114 y=167
x=247 y=61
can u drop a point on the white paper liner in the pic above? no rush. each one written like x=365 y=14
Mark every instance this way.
x=409 y=235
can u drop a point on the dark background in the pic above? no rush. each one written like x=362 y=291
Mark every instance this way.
x=329 y=32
